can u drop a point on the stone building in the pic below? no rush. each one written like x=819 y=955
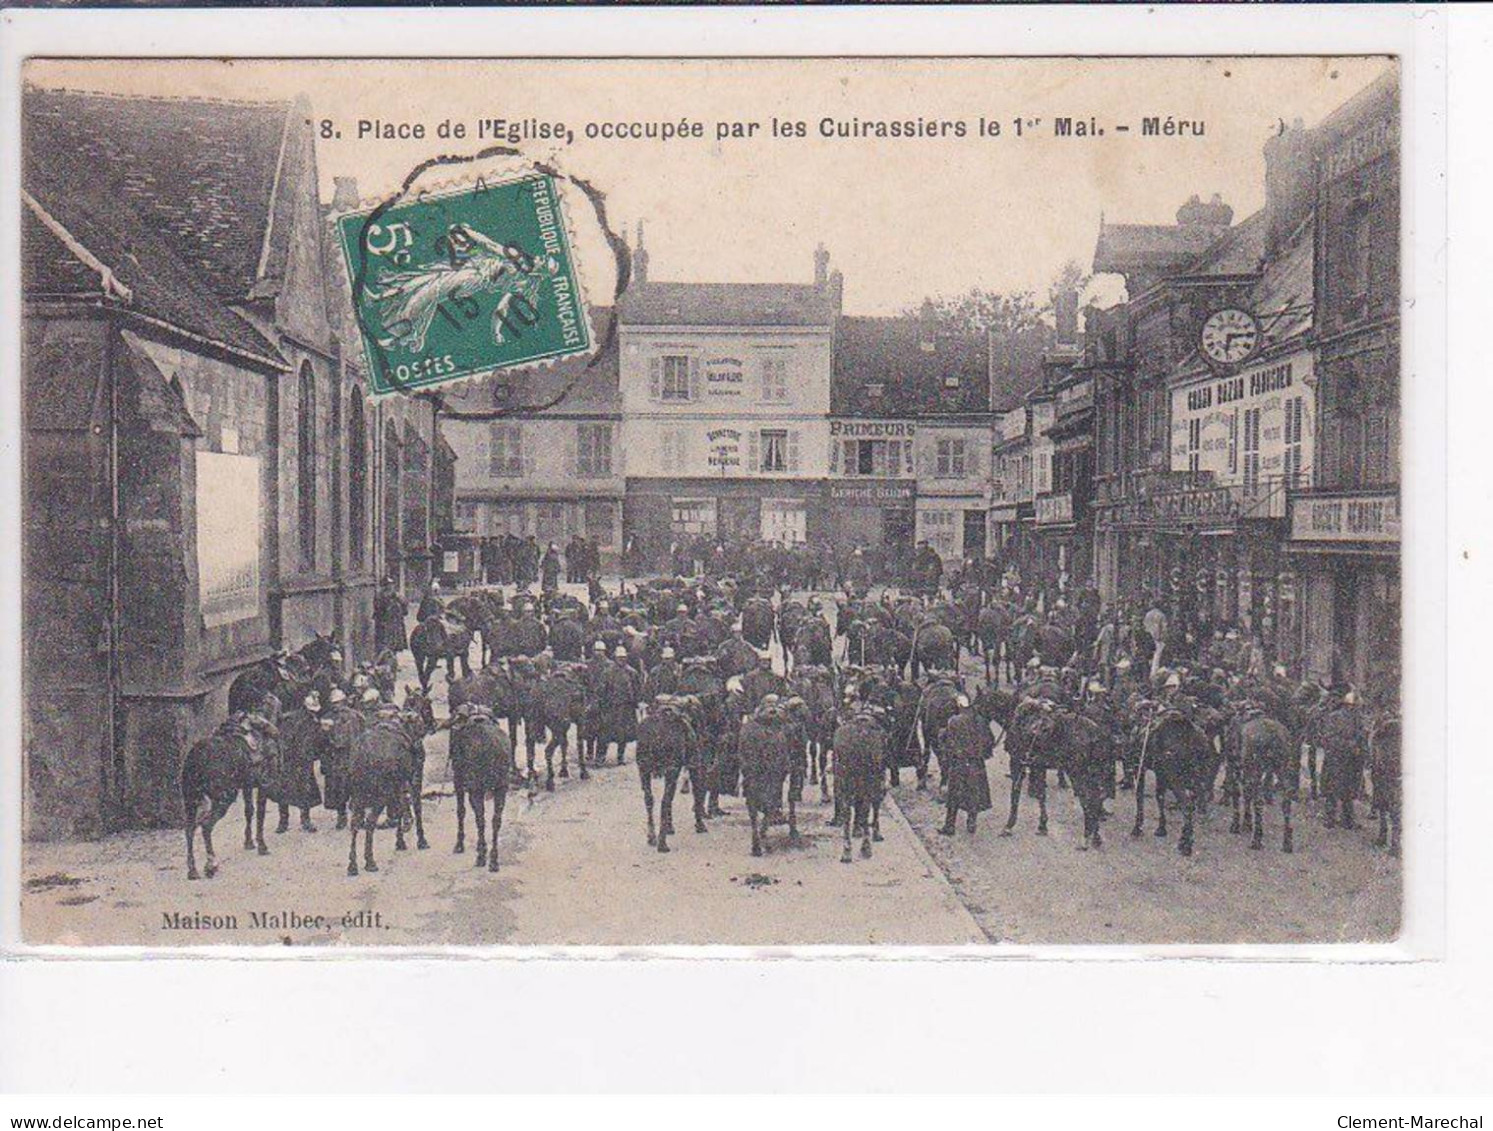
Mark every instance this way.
x=187 y=455
x=1345 y=530
x=725 y=411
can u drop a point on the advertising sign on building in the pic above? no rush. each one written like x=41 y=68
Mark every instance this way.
x=879 y=494
x=1252 y=426
x=724 y=446
x=1346 y=518
x=227 y=537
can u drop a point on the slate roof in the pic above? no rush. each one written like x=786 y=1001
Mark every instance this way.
x=161 y=286
x=1238 y=251
x=727 y=304
x=1016 y=367
x=201 y=173
x=1150 y=247
x=889 y=351
x=581 y=388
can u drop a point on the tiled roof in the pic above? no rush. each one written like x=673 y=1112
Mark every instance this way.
x=1016 y=366
x=727 y=304
x=199 y=172
x=570 y=385
x=890 y=352
x=106 y=229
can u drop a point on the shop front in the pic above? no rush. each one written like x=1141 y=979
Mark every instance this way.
x=1062 y=549
x=662 y=513
x=1347 y=548
x=878 y=516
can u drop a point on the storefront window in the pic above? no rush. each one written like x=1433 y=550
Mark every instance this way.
x=784 y=520
x=693 y=516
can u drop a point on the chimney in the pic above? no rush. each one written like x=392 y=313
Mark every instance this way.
x=837 y=290
x=821 y=267
x=1065 y=314
x=928 y=327
x=1290 y=183
x=344 y=193
x=640 y=259
x=1196 y=214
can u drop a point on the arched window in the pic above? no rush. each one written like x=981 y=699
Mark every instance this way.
x=357 y=480
x=306 y=464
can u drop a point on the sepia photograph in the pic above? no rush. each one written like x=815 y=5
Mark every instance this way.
x=761 y=502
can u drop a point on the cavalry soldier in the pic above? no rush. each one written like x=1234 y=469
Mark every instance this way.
x=301 y=743
x=1342 y=736
x=964 y=747
x=760 y=682
x=664 y=678
x=567 y=639
x=388 y=619
x=342 y=723
x=526 y=634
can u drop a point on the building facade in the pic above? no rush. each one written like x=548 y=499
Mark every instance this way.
x=725 y=392
x=1345 y=530
x=538 y=455
x=203 y=498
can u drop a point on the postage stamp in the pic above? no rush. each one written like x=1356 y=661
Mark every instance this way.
x=453 y=285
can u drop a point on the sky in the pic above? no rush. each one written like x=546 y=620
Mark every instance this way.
x=902 y=218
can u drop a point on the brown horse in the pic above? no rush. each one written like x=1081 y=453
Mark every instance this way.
x=480 y=758
x=235 y=758
x=1267 y=758
x=378 y=781
x=860 y=754
x=1181 y=757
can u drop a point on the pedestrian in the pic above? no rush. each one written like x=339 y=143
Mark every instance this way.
x=965 y=745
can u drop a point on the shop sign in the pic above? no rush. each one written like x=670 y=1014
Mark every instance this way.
x=1053 y=510
x=723 y=377
x=1363 y=147
x=876 y=494
x=871 y=429
x=1205 y=506
x=1346 y=518
x=724 y=446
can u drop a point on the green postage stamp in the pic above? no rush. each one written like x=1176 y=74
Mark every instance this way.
x=462 y=283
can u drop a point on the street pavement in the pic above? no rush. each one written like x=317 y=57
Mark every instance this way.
x=576 y=870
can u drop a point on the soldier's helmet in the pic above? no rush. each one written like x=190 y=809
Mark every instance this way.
x=619 y=653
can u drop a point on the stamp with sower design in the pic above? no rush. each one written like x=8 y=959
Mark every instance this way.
x=455 y=284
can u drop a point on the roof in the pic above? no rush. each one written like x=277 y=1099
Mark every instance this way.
x=201 y=173
x=62 y=368
x=890 y=352
x=1016 y=366
x=73 y=231
x=1153 y=247
x=728 y=304
x=1238 y=251
x=572 y=385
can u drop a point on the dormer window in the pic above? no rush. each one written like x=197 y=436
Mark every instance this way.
x=951 y=382
x=875 y=390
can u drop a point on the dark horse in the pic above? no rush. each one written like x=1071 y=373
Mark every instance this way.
x=1264 y=757
x=380 y=770
x=859 y=761
x=480 y=759
x=667 y=742
x=1182 y=757
x=235 y=758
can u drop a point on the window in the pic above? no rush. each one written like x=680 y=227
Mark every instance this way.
x=875 y=390
x=673 y=448
x=1043 y=471
x=506 y=451
x=950 y=459
x=357 y=480
x=941 y=530
x=675 y=379
x=1251 y=448
x=774 y=451
x=593 y=450
x=774 y=379
x=693 y=516
x=465 y=516
x=601 y=521
x=1293 y=425
x=879 y=458
x=1194 y=443
x=306 y=464
x=549 y=522
x=1378 y=465
x=784 y=520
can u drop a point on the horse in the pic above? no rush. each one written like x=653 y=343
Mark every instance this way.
x=1180 y=756
x=428 y=645
x=1081 y=750
x=419 y=720
x=234 y=758
x=860 y=754
x=815 y=685
x=559 y=702
x=766 y=763
x=378 y=781
x=991 y=627
x=1265 y=757
x=667 y=743
x=934 y=648
x=480 y=758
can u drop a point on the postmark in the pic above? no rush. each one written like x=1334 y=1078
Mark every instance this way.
x=455 y=284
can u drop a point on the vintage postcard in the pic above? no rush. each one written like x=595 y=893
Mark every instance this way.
x=876 y=502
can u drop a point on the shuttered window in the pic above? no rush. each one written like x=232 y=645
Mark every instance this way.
x=674 y=378
x=506 y=451
x=593 y=450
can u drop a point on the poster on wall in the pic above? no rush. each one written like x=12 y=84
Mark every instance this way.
x=227 y=537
